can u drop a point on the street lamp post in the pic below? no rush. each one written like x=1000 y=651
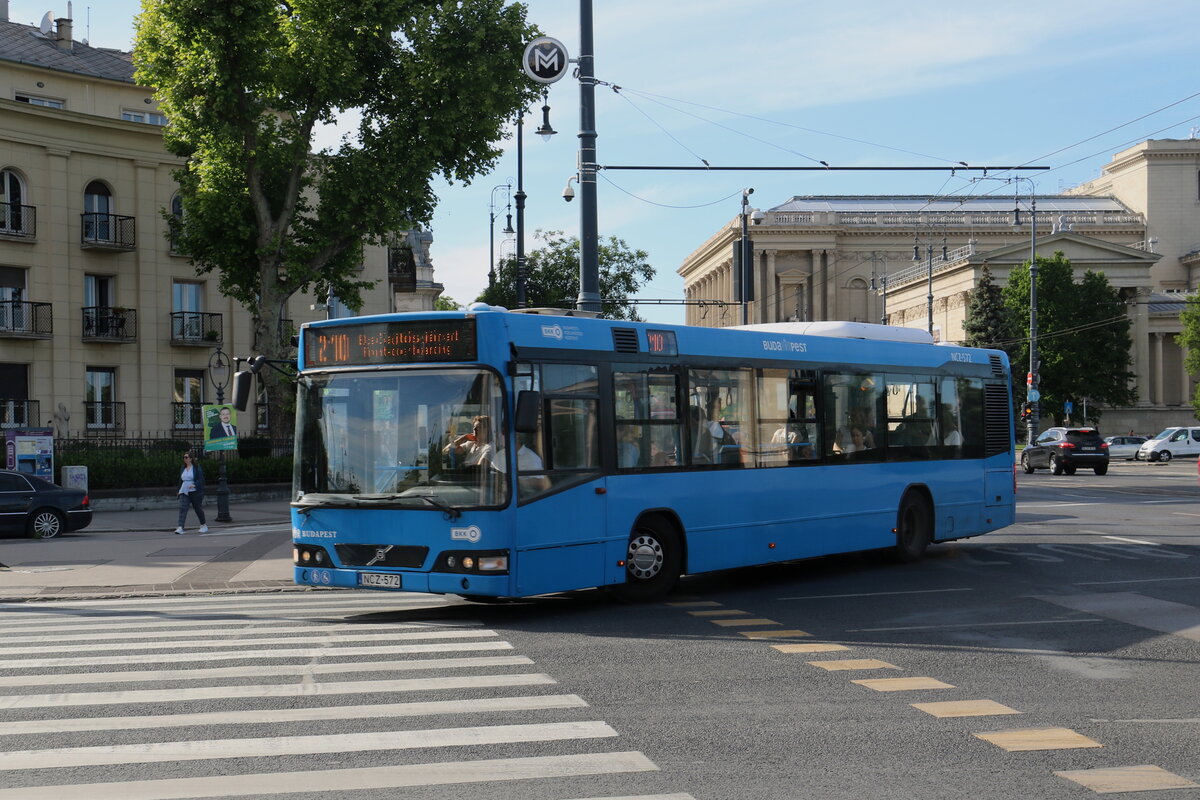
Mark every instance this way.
x=1033 y=394
x=745 y=257
x=545 y=131
x=508 y=228
x=218 y=371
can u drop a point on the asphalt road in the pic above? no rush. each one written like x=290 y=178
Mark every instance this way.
x=1055 y=659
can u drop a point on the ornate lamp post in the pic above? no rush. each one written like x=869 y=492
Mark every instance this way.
x=493 y=212
x=218 y=373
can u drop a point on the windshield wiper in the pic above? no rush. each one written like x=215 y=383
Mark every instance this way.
x=450 y=511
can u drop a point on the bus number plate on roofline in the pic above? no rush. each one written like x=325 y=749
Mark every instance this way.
x=386 y=580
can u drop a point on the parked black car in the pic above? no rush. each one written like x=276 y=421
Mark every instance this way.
x=1065 y=450
x=40 y=508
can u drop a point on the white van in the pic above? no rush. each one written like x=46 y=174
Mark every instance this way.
x=1171 y=443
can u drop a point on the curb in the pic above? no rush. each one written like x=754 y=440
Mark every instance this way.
x=161 y=590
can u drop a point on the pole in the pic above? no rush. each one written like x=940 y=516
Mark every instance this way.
x=589 y=236
x=1031 y=431
x=222 y=483
x=520 y=197
x=929 y=297
x=745 y=266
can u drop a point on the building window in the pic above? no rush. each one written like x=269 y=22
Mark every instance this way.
x=189 y=299
x=189 y=398
x=12 y=199
x=101 y=397
x=148 y=117
x=34 y=100
x=97 y=213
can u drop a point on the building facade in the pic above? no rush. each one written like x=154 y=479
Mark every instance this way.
x=913 y=261
x=104 y=329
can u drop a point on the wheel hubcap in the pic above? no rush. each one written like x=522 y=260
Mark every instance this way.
x=645 y=557
x=46 y=525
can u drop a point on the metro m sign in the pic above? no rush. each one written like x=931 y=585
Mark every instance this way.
x=545 y=59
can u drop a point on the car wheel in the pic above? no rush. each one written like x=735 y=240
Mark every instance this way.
x=1102 y=469
x=1025 y=465
x=46 y=523
x=653 y=561
x=914 y=528
x=1164 y=456
x=1056 y=464
x=1069 y=470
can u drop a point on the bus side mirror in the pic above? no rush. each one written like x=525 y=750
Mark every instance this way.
x=242 y=383
x=528 y=405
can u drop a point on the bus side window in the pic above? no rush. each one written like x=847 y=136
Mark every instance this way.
x=646 y=409
x=851 y=406
x=722 y=417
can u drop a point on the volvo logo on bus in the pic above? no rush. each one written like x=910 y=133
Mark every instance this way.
x=470 y=534
x=545 y=59
x=380 y=554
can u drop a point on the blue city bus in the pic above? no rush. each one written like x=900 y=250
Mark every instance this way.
x=492 y=453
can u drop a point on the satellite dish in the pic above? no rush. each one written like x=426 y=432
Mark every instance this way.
x=47 y=24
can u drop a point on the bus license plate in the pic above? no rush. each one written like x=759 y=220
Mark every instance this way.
x=386 y=580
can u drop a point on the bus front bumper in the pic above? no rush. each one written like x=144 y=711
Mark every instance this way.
x=432 y=582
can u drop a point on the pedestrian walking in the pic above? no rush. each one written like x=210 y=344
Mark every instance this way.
x=191 y=493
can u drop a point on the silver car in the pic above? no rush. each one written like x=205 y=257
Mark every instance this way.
x=1125 y=447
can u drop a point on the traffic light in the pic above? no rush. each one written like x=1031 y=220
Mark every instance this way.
x=1027 y=411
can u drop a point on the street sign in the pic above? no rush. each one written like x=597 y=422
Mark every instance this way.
x=545 y=59
x=1068 y=406
x=1034 y=395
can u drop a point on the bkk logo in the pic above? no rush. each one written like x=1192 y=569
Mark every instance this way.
x=471 y=534
x=552 y=332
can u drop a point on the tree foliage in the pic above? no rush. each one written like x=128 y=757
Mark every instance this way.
x=552 y=276
x=1083 y=339
x=444 y=302
x=989 y=322
x=246 y=83
x=1189 y=340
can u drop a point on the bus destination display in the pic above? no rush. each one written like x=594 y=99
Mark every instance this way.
x=432 y=340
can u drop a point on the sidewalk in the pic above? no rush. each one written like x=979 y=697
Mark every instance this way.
x=131 y=553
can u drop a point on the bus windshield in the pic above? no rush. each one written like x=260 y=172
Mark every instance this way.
x=420 y=438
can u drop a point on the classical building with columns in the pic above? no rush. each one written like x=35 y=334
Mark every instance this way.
x=105 y=329
x=913 y=261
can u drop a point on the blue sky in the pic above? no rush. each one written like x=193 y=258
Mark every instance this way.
x=877 y=82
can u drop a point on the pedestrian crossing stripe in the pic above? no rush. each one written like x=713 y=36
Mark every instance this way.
x=277 y=670
x=298 y=689
x=280 y=715
x=337 y=781
x=274 y=746
x=304 y=652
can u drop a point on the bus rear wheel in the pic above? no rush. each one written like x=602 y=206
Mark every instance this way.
x=653 y=561
x=914 y=528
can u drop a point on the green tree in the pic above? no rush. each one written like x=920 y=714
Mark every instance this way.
x=989 y=322
x=246 y=83
x=446 y=303
x=1189 y=340
x=552 y=276
x=1083 y=339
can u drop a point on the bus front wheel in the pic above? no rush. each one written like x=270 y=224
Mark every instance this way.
x=653 y=561
x=914 y=528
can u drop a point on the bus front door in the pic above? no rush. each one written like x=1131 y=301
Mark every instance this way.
x=560 y=540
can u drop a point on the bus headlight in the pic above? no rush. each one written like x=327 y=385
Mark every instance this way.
x=304 y=555
x=493 y=562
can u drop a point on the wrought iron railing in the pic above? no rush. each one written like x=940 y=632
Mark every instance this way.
x=16 y=413
x=108 y=232
x=196 y=327
x=187 y=416
x=25 y=319
x=18 y=220
x=107 y=416
x=110 y=324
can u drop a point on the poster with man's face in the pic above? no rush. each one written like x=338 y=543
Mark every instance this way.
x=220 y=427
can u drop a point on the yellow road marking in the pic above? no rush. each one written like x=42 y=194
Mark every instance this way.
x=811 y=647
x=965 y=708
x=774 y=634
x=1038 y=739
x=853 y=663
x=902 y=684
x=720 y=612
x=729 y=623
x=1142 y=778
